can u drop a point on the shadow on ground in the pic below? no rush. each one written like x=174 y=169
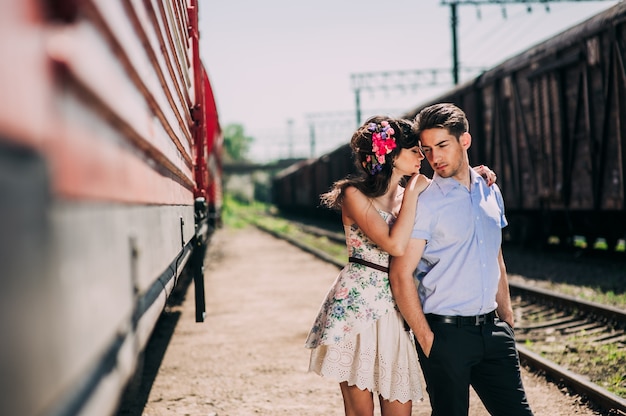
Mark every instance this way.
x=136 y=394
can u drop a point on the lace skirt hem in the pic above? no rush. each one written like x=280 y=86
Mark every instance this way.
x=381 y=359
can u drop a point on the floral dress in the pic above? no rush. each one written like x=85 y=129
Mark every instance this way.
x=359 y=335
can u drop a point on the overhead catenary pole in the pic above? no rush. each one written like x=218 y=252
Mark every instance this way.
x=290 y=137
x=312 y=139
x=454 y=21
x=357 y=99
x=455 y=53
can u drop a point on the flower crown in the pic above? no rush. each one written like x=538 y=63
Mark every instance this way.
x=383 y=143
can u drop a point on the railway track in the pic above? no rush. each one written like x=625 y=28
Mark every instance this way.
x=558 y=335
x=563 y=336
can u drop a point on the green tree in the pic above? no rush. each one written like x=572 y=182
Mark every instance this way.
x=236 y=143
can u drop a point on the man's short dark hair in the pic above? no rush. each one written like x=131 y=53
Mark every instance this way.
x=441 y=116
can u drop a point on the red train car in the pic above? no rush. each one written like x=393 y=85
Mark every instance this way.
x=110 y=174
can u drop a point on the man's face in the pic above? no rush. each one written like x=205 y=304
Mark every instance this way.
x=446 y=155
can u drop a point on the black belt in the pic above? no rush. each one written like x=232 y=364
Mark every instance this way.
x=462 y=320
x=368 y=264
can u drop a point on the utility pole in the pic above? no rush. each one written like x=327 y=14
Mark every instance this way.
x=312 y=139
x=454 y=21
x=357 y=100
x=455 y=54
x=290 y=137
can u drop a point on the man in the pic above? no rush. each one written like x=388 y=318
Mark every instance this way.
x=461 y=313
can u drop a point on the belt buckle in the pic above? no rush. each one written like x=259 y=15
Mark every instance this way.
x=478 y=319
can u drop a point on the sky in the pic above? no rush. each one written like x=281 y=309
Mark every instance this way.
x=282 y=68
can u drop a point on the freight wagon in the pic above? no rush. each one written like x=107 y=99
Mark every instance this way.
x=551 y=122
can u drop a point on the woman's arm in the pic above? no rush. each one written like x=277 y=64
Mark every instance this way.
x=361 y=210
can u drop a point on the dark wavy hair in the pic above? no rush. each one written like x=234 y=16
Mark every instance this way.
x=372 y=185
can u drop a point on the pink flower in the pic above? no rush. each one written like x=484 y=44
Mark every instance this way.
x=341 y=293
x=383 y=143
x=355 y=242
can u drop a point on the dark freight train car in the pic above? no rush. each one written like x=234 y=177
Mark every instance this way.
x=552 y=123
x=296 y=190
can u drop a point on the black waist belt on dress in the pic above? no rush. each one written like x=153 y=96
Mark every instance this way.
x=368 y=264
x=462 y=320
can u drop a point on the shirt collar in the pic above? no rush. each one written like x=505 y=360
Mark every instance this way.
x=446 y=185
x=475 y=178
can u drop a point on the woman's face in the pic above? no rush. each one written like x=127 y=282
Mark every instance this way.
x=409 y=161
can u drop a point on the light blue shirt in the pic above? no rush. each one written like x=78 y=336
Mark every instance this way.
x=459 y=272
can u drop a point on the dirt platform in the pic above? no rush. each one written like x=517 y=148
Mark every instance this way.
x=248 y=358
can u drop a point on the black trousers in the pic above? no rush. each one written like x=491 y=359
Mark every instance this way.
x=482 y=356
